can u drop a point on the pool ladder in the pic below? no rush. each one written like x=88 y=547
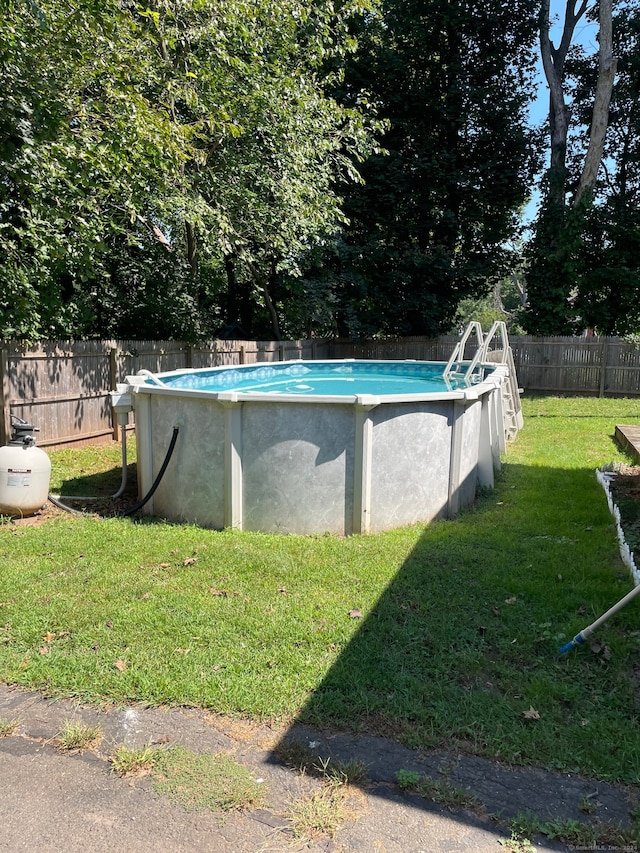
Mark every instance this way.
x=458 y=368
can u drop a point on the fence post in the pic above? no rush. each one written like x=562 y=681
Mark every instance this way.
x=604 y=352
x=5 y=421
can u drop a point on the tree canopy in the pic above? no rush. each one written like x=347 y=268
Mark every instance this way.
x=146 y=146
x=192 y=168
x=608 y=289
x=581 y=259
x=430 y=222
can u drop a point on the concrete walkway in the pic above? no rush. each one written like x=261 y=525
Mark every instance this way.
x=54 y=801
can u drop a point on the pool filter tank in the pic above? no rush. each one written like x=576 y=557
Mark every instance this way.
x=25 y=471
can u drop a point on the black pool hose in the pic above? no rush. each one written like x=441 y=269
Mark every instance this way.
x=60 y=505
x=157 y=480
x=140 y=503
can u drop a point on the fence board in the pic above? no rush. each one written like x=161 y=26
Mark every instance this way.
x=421 y=349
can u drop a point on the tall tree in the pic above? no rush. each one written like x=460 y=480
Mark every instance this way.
x=80 y=146
x=430 y=222
x=557 y=242
x=609 y=284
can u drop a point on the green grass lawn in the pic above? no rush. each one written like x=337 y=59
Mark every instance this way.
x=445 y=634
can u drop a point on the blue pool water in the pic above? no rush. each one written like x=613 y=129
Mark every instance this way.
x=335 y=378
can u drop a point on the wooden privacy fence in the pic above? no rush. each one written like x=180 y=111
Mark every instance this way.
x=63 y=387
x=560 y=365
x=592 y=366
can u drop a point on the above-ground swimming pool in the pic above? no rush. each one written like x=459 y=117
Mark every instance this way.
x=314 y=447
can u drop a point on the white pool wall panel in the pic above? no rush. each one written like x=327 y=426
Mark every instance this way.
x=406 y=485
x=193 y=487
x=297 y=462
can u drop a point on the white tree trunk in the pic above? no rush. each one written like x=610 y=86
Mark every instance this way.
x=607 y=64
x=553 y=60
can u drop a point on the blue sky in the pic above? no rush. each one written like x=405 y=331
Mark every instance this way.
x=585 y=34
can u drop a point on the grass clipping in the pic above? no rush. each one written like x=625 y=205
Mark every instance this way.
x=198 y=782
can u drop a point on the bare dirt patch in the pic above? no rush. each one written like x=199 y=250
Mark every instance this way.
x=104 y=507
x=43 y=515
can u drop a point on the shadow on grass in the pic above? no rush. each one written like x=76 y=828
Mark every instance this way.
x=94 y=492
x=460 y=652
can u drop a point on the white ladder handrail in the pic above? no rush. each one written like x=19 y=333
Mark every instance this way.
x=457 y=356
x=452 y=359
x=151 y=376
x=501 y=327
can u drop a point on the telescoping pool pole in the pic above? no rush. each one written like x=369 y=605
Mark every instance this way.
x=586 y=632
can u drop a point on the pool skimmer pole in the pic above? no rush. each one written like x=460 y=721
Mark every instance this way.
x=586 y=632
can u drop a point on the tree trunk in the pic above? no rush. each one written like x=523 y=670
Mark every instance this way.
x=263 y=282
x=520 y=284
x=275 y=323
x=553 y=61
x=607 y=71
x=192 y=247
